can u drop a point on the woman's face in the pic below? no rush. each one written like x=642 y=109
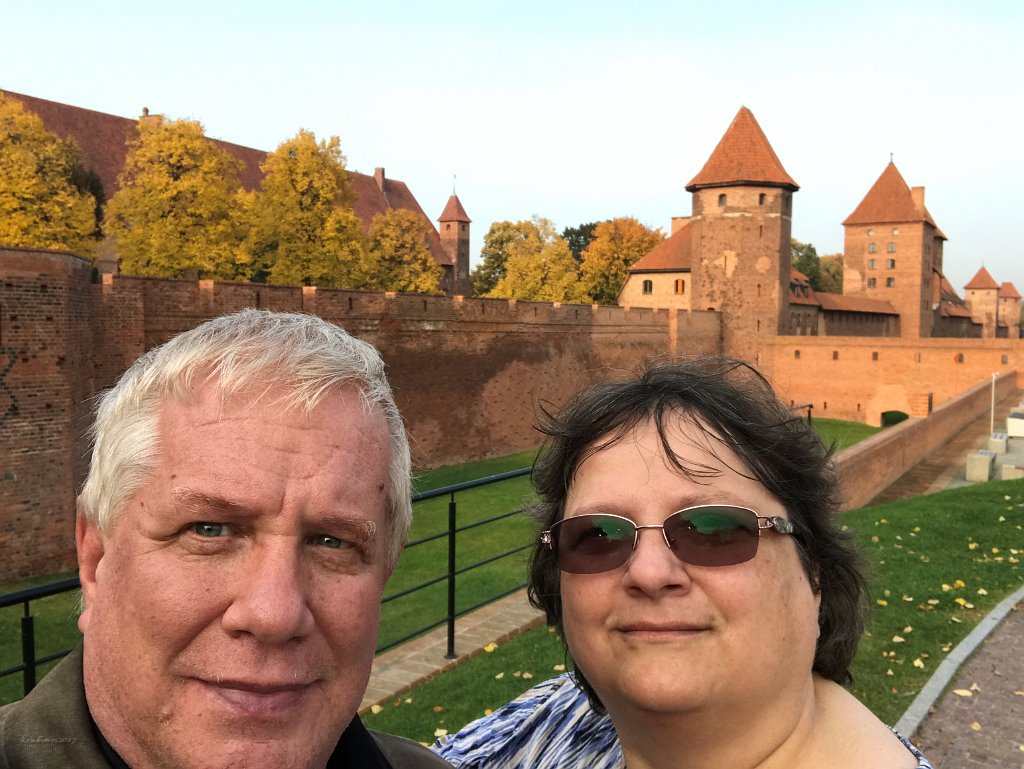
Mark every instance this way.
x=660 y=635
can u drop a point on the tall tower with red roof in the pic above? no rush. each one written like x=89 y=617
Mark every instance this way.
x=893 y=252
x=742 y=222
x=454 y=233
x=1008 y=313
x=982 y=295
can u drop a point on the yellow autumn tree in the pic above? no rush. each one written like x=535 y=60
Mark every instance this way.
x=617 y=245
x=537 y=265
x=301 y=226
x=174 y=212
x=398 y=257
x=44 y=202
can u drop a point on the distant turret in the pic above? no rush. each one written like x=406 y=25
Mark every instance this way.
x=455 y=240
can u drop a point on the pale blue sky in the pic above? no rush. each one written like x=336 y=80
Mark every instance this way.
x=579 y=111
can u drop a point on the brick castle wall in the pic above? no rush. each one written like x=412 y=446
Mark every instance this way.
x=870 y=466
x=468 y=374
x=859 y=378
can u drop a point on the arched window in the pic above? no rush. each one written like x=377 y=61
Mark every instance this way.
x=721 y=199
x=761 y=199
x=872 y=248
x=648 y=287
x=680 y=285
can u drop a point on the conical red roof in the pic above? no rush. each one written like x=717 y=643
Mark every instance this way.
x=743 y=156
x=1008 y=291
x=454 y=212
x=982 y=280
x=890 y=201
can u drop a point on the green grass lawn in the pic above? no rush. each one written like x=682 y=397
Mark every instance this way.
x=843 y=434
x=938 y=564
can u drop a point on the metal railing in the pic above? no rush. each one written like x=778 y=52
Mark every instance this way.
x=30 y=661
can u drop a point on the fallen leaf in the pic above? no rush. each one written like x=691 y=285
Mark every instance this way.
x=898 y=639
x=963 y=693
x=527 y=676
x=889 y=672
x=375 y=709
x=918 y=663
x=908 y=629
x=976 y=726
x=501 y=675
x=437 y=708
x=487 y=711
x=440 y=732
x=975 y=688
x=982 y=591
x=490 y=647
x=559 y=667
x=882 y=602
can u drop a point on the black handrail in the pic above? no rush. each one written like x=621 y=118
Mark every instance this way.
x=30 y=661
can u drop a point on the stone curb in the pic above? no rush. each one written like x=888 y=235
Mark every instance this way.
x=919 y=709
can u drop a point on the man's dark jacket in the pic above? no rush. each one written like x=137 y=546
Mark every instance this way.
x=52 y=727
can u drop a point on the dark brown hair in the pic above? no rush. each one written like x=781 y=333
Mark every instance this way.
x=735 y=406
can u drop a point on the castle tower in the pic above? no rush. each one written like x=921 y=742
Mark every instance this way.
x=893 y=251
x=742 y=222
x=982 y=295
x=1008 y=314
x=455 y=240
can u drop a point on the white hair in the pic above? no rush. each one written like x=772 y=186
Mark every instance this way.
x=304 y=354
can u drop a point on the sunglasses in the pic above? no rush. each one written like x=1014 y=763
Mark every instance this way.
x=708 y=535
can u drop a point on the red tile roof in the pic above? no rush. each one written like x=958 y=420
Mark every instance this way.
x=890 y=201
x=982 y=281
x=674 y=254
x=103 y=141
x=798 y=284
x=454 y=212
x=1008 y=291
x=743 y=156
x=948 y=310
x=841 y=303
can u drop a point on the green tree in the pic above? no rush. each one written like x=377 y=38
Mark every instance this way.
x=398 y=257
x=805 y=258
x=579 y=238
x=617 y=245
x=174 y=211
x=301 y=227
x=832 y=273
x=45 y=200
x=538 y=265
x=499 y=237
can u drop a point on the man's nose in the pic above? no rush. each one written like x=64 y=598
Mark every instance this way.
x=270 y=601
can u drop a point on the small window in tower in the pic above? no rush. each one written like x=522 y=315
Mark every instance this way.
x=874 y=356
x=796 y=354
x=959 y=357
x=761 y=199
x=462 y=227
x=872 y=248
x=680 y=285
x=648 y=287
x=895 y=231
x=1006 y=359
x=890 y=282
x=871 y=282
x=871 y=264
x=890 y=263
x=721 y=199
x=447 y=227
x=871 y=231
x=835 y=355
x=891 y=247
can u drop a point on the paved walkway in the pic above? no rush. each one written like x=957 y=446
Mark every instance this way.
x=983 y=730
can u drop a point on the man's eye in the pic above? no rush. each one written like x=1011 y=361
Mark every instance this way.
x=204 y=529
x=325 y=540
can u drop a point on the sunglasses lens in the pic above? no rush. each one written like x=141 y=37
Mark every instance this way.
x=588 y=544
x=713 y=535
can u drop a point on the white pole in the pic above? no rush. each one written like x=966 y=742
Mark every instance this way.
x=992 y=413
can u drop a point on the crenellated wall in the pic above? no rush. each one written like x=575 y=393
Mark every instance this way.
x=468 y=374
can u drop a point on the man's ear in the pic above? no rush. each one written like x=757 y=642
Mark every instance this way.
x=89 y=543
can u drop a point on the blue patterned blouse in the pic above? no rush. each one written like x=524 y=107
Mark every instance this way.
x=550 y=726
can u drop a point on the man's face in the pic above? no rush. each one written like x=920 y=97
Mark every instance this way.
x=231 y=612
